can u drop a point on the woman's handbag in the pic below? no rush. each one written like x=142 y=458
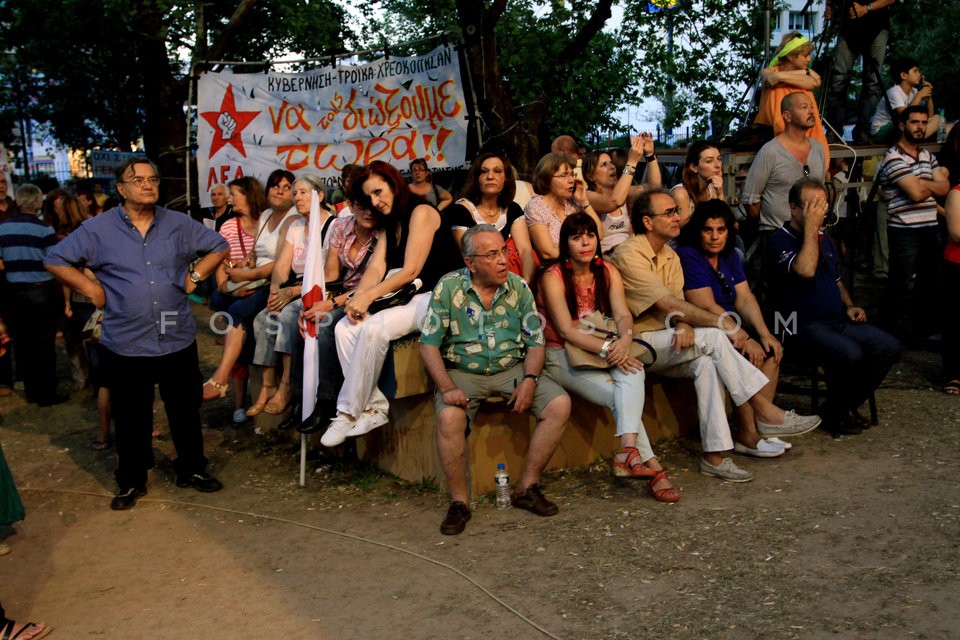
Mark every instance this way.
x=597 y=325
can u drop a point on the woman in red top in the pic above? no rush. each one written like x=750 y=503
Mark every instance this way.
x=580 y=283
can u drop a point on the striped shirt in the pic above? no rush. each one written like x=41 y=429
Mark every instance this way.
x=24 y=242
x=903 y=211
x=241 y=242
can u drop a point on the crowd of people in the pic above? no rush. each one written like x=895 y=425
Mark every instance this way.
x=601 y=277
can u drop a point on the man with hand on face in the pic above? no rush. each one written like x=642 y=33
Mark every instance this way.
x=483 y=337
x=811 y=298
x=653 y=282
x=910 y=181
x=142 y=256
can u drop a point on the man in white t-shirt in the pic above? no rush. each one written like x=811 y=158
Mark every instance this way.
x=911 y=89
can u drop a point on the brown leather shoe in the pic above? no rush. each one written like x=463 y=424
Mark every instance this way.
x=533 y=500
x=456 y=519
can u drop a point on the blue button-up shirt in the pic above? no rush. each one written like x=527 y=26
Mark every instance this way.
x=147 y=312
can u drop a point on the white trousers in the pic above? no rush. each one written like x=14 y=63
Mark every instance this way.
x=362 y=348
x=710 y=362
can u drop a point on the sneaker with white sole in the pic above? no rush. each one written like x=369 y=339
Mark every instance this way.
x=793 y=425
x=764 y=449
x=337 y=432
x=780 y=443
x=367 y=422
x=726 y=470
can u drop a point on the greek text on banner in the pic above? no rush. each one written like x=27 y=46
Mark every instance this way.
x=318 y=121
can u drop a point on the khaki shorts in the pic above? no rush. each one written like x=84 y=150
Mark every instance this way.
x=479 y=387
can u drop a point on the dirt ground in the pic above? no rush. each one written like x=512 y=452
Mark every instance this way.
x=849 y=538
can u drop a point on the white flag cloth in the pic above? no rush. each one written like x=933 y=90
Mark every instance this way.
x=313 y=286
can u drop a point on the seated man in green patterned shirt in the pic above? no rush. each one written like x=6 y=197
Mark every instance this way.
x=483 y=337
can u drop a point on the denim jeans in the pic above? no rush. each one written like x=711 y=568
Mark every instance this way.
x=34 y=315
x=855 y=359
x=331 y=375
x=870 y=88
x=913 y=252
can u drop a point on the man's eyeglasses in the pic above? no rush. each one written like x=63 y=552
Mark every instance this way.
x=139 y=181
x=672 y=212
x=491 y=255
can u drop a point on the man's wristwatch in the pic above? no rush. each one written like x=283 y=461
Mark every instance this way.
x=533 y=377
x=194 y=277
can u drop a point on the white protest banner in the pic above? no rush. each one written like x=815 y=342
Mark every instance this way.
x=393 y=109
x=104 y=163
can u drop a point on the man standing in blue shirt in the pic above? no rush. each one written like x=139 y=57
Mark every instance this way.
x=141 y=255
x=816 y=307
x=35 y=303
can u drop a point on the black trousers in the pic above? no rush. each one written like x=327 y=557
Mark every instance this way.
x=33 y=317
x=131 y=380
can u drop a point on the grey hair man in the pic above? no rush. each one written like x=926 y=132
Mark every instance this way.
x=34 y=303
x=147 y=260
x=483 y=337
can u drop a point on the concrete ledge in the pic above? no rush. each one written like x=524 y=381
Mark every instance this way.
x=407 y=446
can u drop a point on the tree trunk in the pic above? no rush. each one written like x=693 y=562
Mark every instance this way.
x=517 y=137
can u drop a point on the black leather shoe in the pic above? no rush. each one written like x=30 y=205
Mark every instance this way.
x=534 y=501
x=126 y=498
x=202 y=482
x=318 y=420
x=456 y=519
x=291 y=420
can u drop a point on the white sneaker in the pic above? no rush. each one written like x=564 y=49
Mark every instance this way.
x=764 y=449
x=793 y=425
x=239 y=416
x=726 y=470
x=367 y=422
x=780 y=443
x=337 y=432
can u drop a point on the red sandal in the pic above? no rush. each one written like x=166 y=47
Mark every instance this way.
x=666 y=494
x=633 y=466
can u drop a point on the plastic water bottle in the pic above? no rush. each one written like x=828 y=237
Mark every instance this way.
x=942 y=128
x=502 y=481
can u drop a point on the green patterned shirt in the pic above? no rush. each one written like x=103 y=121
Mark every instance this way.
x=477 y=340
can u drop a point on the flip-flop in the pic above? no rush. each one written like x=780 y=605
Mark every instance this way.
x=43 y=628
x=952 y=388
x=101 y=445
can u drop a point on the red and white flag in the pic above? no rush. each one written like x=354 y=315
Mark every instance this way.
x=313 y=286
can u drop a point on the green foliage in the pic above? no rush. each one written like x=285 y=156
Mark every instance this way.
x=930 y=33
x=697 y=59
x=582 y=97
x=90 y=67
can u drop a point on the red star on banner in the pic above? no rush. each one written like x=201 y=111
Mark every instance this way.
x=228 y=123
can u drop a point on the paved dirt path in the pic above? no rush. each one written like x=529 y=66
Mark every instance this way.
x=856 y=537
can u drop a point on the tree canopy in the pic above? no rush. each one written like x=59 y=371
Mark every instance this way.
x=106 y=72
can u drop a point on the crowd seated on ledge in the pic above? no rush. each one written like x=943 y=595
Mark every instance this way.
x=512 y=312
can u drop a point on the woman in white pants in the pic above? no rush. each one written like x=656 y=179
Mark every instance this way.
x=580 y=283
x=413 y=245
